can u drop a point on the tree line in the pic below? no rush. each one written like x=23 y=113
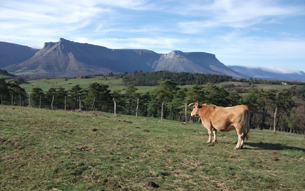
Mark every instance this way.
x=140 y=78
x=168 y=96
x=6 y=73
x=181 y=78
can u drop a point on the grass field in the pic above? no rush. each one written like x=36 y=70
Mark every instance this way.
x=65 y=150
x=46 y=84
x=117 y=84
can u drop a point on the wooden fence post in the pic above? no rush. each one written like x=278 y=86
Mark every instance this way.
x=114 y=107
x=12 y=99
x=65 y=103
x=93 y=104
x=274 y=125
x=137 y=108
x=185 y=112
x=80 y=103
x=52 y=102
x=20 y=100
x=29 y=100
x=162 y=111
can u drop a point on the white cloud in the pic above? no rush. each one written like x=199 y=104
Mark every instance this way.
x=164 y=45
x=235 y=45
x=233 y=13
x=281 y=70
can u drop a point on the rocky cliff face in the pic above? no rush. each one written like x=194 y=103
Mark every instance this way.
x=194 y=62
x=66 y=58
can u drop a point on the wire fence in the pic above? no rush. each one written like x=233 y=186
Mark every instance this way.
x=110 y=106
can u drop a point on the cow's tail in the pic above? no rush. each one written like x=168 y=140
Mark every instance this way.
x=247 y=124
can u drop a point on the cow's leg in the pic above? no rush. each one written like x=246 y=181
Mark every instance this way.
x=209 y=128
x=214 y=133
x=210 y=136
x=240 y=138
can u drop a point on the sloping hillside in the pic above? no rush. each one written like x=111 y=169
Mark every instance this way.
x=13 y=53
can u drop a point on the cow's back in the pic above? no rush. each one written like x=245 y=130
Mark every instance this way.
x=226 y=118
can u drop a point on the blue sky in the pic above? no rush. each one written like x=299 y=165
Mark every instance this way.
x=264 y=33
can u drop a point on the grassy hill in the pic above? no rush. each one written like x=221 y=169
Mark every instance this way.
x=65 y=150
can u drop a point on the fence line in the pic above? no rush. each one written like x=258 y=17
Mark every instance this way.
x=42 y=103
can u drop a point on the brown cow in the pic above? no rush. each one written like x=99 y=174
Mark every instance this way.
x=215 y=118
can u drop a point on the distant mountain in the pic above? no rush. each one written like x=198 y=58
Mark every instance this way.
x=66 y=58
x=270 y=73
x=13 y=53
x=194 y=62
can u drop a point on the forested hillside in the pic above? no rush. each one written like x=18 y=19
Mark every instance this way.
x=181 y=78
x=289 y=103
x=6 y=73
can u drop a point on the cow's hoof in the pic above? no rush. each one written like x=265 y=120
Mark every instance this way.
x=208 y=141
x=214 y=141
x=236 y=148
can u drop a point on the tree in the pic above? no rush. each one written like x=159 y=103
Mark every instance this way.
x=101 y=95
x=60 y=95
x=162 y=94
x=215 y=95
x=194 y=94
x=268 y=103
x=251 y=100
x=234 y=99
x=4 y=91
x=259 y=103
x=50 y=94
x=119 y=99
x=130 y=98
x=301 y=93
x=18 y=94
x=284 y=105
x=177 y=105
x=144 y=101
x=296 y=121
x=74 y=96
x=36 y=96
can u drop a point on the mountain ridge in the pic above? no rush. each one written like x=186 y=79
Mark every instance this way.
x=67 y=58
x=8 y=53
x=270 y=73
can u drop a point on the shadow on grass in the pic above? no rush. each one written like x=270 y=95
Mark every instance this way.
x=273 y=146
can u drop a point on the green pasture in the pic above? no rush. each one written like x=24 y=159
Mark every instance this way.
x=66 y=150
x=117 y=84
x=272 y=87
x=46 y=84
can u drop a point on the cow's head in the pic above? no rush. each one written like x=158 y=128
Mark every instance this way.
x=196 y=107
